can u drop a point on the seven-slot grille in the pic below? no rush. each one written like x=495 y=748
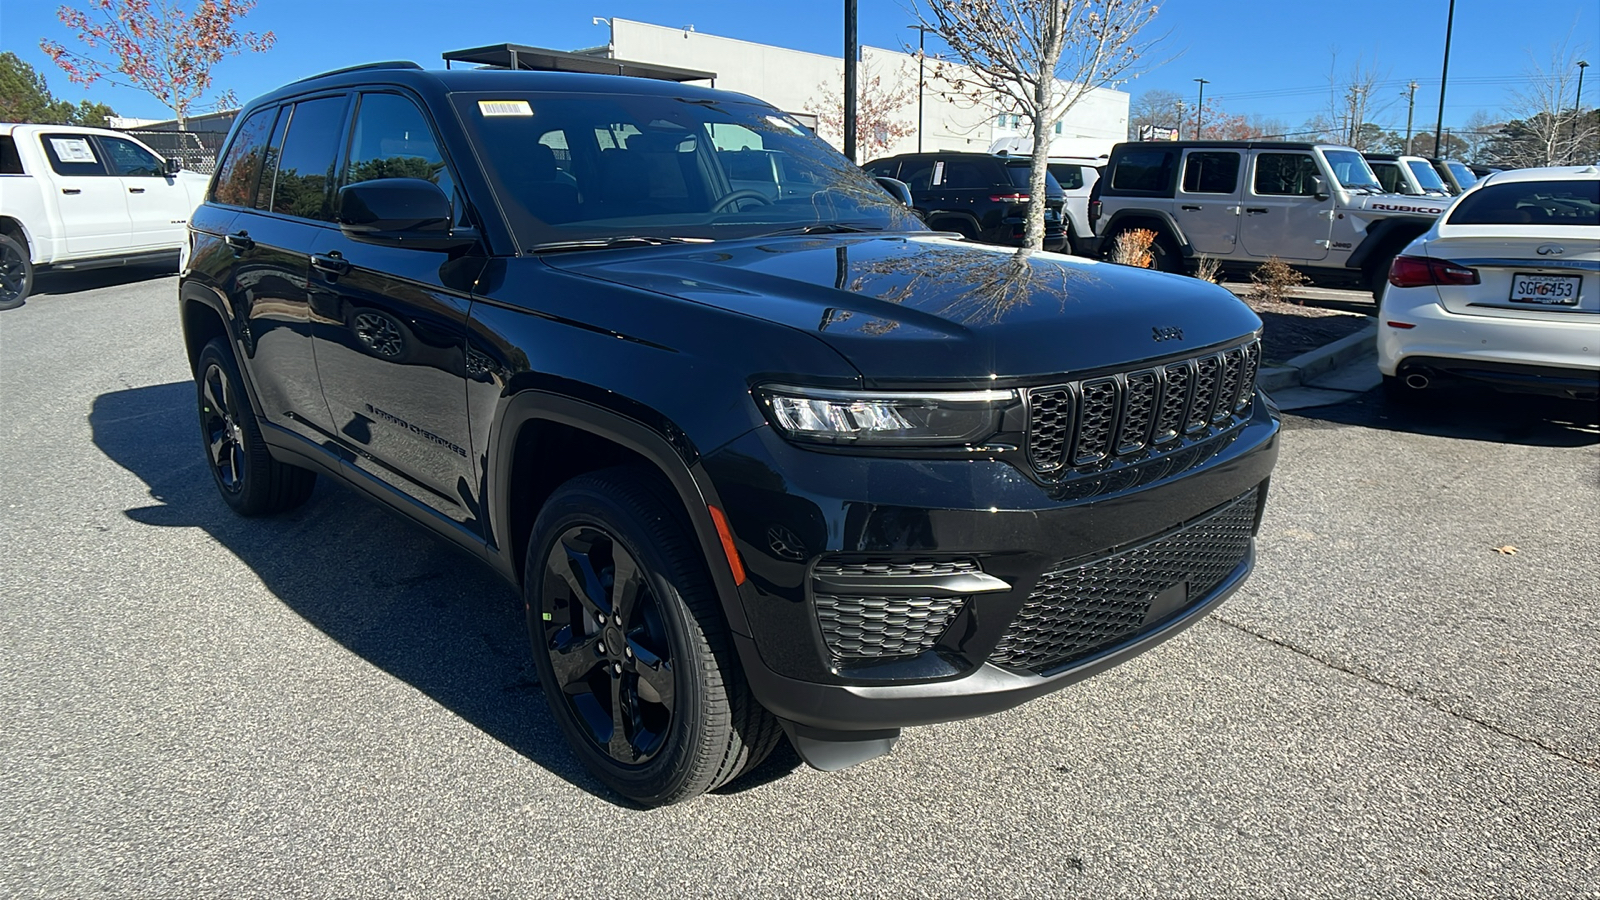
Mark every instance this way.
x=1080 y=608
x=1088 y=422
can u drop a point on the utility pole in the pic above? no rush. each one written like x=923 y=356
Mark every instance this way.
x=850 y=61
x=1444 y=79
x=922 y=56
x=1180 y=120
x=1411 y=107
x=1200 y=108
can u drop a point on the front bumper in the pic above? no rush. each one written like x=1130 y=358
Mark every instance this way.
x=838 y=510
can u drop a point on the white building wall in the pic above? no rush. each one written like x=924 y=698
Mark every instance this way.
x=795 y=81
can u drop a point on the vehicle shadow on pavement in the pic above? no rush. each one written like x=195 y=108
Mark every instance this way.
x=1470 y=414
x=72 y=282
x=386 y=590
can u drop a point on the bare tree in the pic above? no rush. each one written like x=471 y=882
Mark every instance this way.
x=1546 y=129
x=1156 y=107
x=880 y=112
x=1353 y=101
x=1038 y=58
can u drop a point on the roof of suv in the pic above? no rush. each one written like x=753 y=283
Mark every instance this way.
x=408 y=74
x=1230 y=145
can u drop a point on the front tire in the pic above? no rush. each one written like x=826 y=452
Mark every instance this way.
x=631 y=646
x=16 y=274
x=249 y=479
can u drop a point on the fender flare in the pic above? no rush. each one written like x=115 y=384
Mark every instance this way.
x=28 y=243
x=1385 y=233
x=676 y=459
x=1113 y=224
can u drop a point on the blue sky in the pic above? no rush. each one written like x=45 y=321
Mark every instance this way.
x=1269 y=57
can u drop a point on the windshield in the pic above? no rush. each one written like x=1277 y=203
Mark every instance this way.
x=1464 y=176
x=1426 y=177
x=603 y=166
x=1351 y=170
x=1530 y=203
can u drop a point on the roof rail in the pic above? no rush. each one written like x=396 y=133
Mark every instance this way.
x=391 y=64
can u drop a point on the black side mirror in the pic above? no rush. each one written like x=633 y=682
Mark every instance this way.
x=173 y=166
x=897 y=189
x=405 y=212
x=1319 y=188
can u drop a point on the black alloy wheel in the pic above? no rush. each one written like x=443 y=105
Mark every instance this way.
x=249 y=479
x=630 y=644
x=16 y=274
x=608 y=644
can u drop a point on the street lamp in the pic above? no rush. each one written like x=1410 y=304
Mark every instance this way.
x=1200 y=107
x=1444 y=78
x=1577 y=107
x=922 y=56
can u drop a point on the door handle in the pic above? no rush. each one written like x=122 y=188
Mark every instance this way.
x=1191 y=208
x=135 y=190
x=71 y=190
x=332 y=262
x=1254 y=210
x=240 y=242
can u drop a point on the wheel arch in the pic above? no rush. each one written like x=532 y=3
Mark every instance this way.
x=544 y=439
x=12 y=227
x=1394 y=232
x=1160 y=221
x=202 y=321
x=937 y=216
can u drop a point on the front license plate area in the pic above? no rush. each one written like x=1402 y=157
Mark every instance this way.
x=1545 y=290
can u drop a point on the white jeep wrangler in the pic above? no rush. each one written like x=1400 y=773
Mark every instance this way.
x=79 y=198
x=1317 y=207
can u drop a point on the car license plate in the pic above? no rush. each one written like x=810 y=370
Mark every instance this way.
x=1549 y=290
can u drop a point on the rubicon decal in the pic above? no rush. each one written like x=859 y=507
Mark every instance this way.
x=1390 y=207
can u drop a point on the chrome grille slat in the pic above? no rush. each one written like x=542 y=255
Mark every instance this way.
x=1084 y=424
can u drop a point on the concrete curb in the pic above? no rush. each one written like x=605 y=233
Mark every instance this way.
x=1313 y=364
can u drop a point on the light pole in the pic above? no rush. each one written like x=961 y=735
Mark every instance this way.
x=1200 y=107
x=922 y=56
x=850 y=61
x=1444 y=78
x=1577 y=108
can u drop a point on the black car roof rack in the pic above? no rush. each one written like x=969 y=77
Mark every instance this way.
x=392 y=64
x=540 y=59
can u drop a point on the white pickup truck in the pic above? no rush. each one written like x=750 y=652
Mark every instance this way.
x=79 y=198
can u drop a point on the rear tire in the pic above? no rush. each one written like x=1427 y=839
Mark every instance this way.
x=249 y=479
x=16 y=274
x=631 y=646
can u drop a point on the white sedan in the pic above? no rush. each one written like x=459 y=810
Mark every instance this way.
x=1503 y=290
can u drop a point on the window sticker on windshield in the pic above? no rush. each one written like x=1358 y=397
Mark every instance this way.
x=504 y=108
x=72 y=150
x=938 y=172
x=786 y=124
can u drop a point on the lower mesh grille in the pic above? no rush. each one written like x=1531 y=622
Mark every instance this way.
x=1077 y=610
x=876 y=627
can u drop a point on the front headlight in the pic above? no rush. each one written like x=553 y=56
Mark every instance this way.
x=884 y=418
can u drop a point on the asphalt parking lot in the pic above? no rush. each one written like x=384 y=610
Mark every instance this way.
x=334 y=703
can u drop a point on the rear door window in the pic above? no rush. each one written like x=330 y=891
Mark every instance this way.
x=304 y=183
x=236 y=179
x=1143 y=172
x=73 y=154
x=1211 y=172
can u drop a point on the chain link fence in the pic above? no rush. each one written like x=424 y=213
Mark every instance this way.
x=197 y=149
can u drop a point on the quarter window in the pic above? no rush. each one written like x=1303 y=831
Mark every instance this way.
x=73 y=154
x=132 y=159
x=235 y=184
x=1211 y=173
x=304 y=182
x=10 y=161
x=1143 y=172
x=1285 y=175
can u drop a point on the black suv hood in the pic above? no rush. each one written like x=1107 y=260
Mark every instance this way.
x=917 y=307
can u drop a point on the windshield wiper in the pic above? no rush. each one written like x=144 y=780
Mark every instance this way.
x=823 y=228
x=627 y=240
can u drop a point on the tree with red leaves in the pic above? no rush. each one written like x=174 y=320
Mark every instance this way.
x=158 y=47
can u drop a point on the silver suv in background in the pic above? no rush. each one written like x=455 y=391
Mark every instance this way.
x=1318 y=207
x=1077 y=176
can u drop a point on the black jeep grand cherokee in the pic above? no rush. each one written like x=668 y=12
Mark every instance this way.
x=760 y=461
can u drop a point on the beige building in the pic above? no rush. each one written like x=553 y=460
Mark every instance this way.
x=799 y=82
